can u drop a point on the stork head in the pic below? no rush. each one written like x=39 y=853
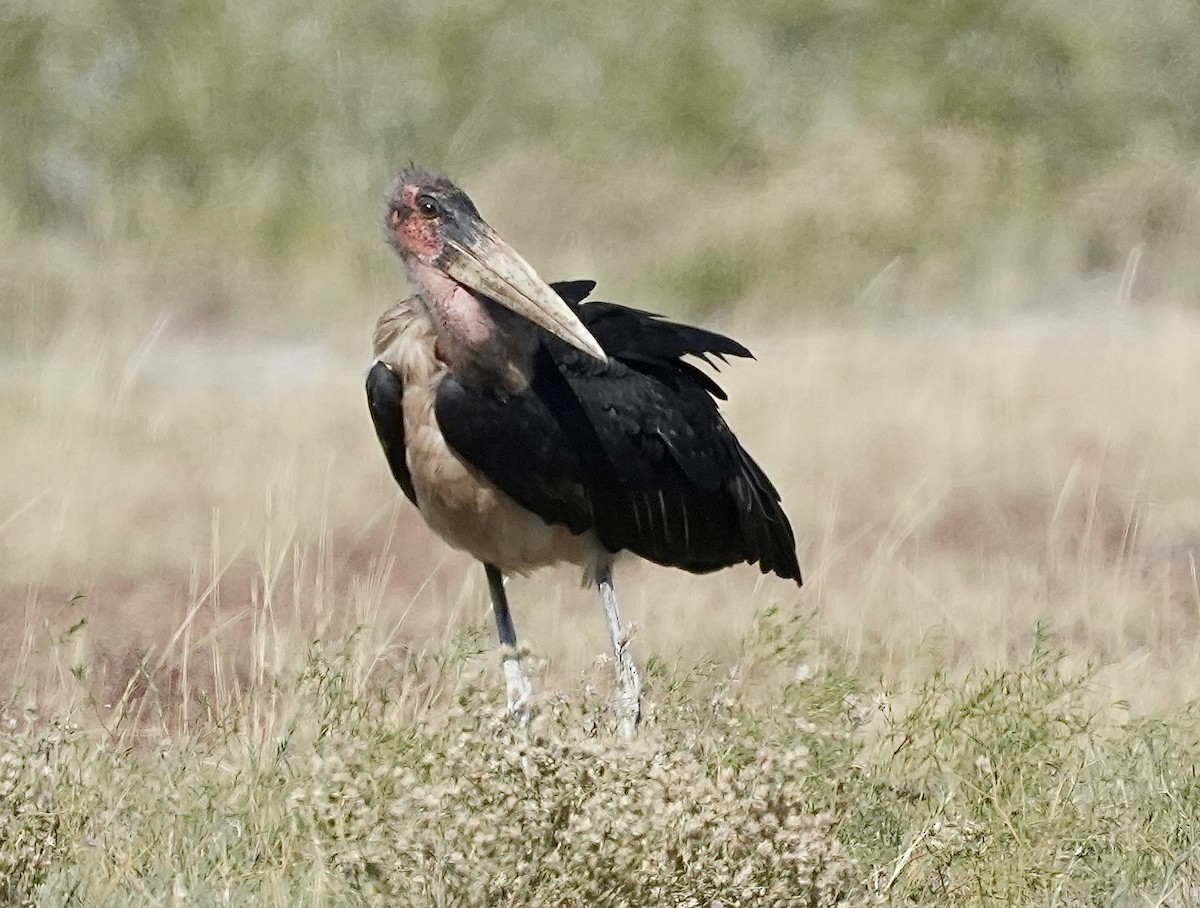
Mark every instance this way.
x=441 y=238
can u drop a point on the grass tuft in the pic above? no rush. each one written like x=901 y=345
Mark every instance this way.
x=780 y=780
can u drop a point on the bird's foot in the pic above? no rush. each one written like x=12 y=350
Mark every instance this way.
x=519 y=688
x=628 y=705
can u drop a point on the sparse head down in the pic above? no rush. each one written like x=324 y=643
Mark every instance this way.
x=418 y=206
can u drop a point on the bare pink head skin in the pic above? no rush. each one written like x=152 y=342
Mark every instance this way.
x=486 y=302
x=414 y=228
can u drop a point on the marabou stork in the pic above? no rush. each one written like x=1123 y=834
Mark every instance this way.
x=530 y=428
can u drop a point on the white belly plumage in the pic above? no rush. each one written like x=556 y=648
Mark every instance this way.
x=457 y=501
x=471 y=514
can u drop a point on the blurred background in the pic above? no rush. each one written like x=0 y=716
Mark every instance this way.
x=962 y=236
x=223 y=163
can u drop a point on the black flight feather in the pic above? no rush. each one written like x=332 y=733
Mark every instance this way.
x=385 y=397
x=634 y=449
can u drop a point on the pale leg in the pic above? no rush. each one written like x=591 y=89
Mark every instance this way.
x=629 y=685
x=520 y=690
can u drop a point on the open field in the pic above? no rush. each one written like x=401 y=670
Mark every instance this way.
x=951 y=486
x=194 y=528
x=236 y=669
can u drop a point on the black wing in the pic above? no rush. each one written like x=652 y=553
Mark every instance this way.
x=516 y=442
x=634 y=449
x=385 y=397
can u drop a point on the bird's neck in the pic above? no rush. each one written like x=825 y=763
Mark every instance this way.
x=479 y=341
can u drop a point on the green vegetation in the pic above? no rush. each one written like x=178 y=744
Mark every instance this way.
x=234 y=672
x=237 y=666
x=783 y=782
x=791 y=157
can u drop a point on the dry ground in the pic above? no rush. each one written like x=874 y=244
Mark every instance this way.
x=951 y=485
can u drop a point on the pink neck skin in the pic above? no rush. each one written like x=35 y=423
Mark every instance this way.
x=468 y=339
x=460 y=316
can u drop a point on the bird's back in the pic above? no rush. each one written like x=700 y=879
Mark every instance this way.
x=634 y=449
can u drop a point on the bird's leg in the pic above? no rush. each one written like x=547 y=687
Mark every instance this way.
x=629 y=683
x=520 y=690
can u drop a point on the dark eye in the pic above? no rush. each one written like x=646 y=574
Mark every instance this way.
x=427 y=206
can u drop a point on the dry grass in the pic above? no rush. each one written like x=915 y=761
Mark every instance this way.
x=974 y=480
x=951 y=486
x=207 y=575
x=236 y=669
